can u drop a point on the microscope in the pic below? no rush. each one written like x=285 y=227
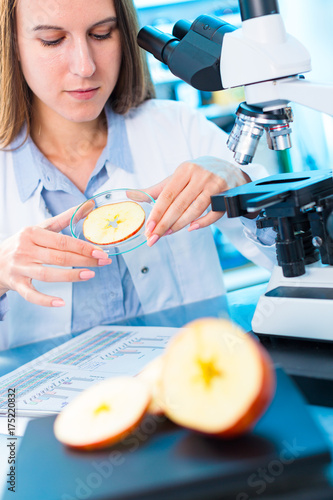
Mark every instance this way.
x=210 y=55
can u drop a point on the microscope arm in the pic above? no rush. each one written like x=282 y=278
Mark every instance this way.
x=315 y=95
x=272 y=94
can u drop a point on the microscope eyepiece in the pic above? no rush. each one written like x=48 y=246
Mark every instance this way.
x=155 y=41
x=181 y=28
x=257 y=8
x=192 y=52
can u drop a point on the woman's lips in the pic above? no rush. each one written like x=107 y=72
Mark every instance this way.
x=83 y=94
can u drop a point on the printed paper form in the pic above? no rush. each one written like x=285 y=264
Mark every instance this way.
x=47 y=384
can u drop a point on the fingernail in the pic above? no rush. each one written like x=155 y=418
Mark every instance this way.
x=193 y=227
x=169 y=231
x=86 y=275
x=150 y=227
x=152 y=240
x=57 y=303
x=99 y=254
x=104 y=262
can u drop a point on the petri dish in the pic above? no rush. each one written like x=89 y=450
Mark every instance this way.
x=109 y=198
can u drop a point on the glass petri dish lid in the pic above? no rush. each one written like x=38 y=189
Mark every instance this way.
x=114 y=220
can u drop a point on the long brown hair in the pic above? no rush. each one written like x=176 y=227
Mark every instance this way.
x=134 y=84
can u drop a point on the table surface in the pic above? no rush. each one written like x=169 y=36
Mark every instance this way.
x=307 y=362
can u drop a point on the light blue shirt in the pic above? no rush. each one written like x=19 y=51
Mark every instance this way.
x=110 y=295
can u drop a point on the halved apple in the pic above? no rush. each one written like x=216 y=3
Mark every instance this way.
x=103 y=414
x=216 y=378
x=151 y=376
x=113 y=223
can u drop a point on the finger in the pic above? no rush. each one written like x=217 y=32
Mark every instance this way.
x=138 y=196
x=65 y=243
x=29 y=293
x=195 y=210
x=155 y=190
x=49 y=256
x=185 y=208
x=81 y=213
x=56 y=274
x=59 y=222
x=165 y=200
x=205 y=220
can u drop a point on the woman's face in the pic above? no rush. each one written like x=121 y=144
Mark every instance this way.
x=70 y=54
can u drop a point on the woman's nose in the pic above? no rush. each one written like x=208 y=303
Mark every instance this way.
x=82 y=61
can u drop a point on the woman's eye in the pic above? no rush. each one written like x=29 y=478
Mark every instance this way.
x=51 y=43
x=95 y=36
x=104 y=36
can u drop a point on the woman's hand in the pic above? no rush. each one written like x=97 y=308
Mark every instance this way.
x=27 y=255
x=183 y=197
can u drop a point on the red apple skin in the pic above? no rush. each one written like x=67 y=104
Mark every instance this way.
x=115 y=241
x=260 y=404
x=63 y=423
x=158 y=411
x=112 y=440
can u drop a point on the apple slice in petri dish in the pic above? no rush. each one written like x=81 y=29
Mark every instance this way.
x=114 y=220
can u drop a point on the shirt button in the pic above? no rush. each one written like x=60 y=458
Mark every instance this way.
x=145 y=270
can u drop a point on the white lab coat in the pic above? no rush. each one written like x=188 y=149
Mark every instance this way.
x=182 y=268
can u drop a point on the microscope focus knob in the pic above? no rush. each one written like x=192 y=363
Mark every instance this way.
x=290 y=256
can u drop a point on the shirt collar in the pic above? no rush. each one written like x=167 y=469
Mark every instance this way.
x=118 y=149
x=32 y=168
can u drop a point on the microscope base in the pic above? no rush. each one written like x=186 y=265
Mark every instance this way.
x=300 y=307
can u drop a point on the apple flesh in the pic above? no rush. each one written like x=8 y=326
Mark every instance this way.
x=212 y=378
x=103 y=414
x=113 y=223
x=151 y=376
x=216 y=378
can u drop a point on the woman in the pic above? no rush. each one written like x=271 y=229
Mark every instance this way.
x=77 y=118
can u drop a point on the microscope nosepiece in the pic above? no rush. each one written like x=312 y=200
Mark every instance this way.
x=249 y=126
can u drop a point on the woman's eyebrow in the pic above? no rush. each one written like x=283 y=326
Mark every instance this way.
x=42 y=27
x=111 y=19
